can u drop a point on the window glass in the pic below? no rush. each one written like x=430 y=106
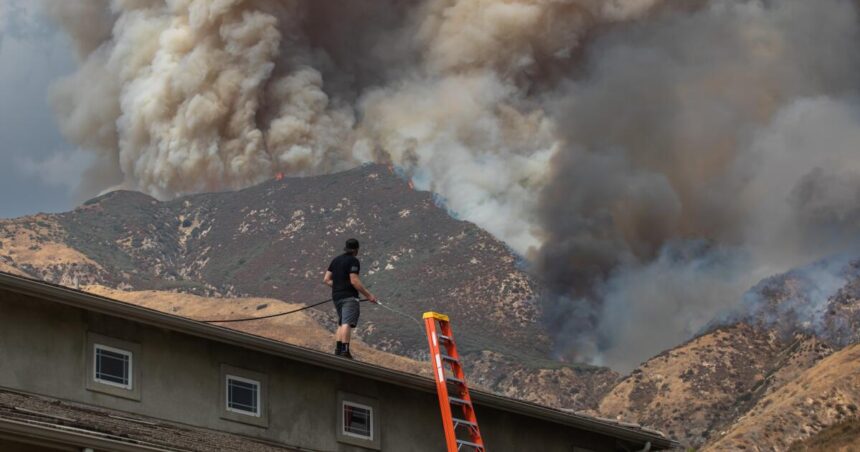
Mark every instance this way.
x=243 y=395
x=357 y=420
x=112 y=366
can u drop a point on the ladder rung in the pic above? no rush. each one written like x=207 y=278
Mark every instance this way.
x=458 y=422
x=444 y=338
x=457 y=401
x=455 y=380
x=449 y=358
x=461 y=443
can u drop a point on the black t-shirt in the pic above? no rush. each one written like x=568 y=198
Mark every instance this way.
x=341 y=267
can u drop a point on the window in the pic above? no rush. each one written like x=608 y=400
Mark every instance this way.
x=357 y=420
x=112 y=366
x=243 y=395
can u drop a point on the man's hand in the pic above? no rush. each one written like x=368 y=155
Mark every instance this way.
x=356 y=282
x=327 y=279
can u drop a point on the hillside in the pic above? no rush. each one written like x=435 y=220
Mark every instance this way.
x=841 y=437
x=36 y=246
x=263 y=250
x=824 y=395
x=715 y=389
x=696 y=390
x=275 y=240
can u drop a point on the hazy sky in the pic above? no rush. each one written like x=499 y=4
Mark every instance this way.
x=39 y=169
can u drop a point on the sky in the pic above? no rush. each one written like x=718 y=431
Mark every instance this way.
x=39 y=169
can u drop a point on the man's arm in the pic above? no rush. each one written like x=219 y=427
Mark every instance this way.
x=356 y=282
x=327 y=279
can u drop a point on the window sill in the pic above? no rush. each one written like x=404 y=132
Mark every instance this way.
x=114 y=390
x=262 y=420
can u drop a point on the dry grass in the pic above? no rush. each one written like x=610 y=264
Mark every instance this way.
x=685 y=392
x=842 y=437
x=297 y=329
x=6 y=268
x=37 y=241
x=825 y=395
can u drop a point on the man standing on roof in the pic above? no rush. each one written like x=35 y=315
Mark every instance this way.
x=342 y=276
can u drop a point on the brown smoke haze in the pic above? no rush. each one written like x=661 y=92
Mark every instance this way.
x=649 y=158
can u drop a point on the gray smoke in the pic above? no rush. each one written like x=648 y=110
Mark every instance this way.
x=814 y=299
x=705 y=150
x=650 y=158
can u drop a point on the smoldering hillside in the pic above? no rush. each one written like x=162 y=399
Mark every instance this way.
x=650 y=159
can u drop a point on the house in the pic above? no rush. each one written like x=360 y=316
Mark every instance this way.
x=84 y=372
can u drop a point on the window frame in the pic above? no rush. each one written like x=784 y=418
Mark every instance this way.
x=344 y=403
x=362 y=402
x=258 y=395
x=128 y=354
x=237 y=415
x=131 y=391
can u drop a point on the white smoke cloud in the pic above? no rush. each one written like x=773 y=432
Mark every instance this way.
x=183 y=97
x=641 y=153
x=461 y=138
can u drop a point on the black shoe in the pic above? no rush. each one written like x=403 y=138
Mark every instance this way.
x=346 y=355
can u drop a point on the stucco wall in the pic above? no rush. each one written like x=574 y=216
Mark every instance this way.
x=42 y=350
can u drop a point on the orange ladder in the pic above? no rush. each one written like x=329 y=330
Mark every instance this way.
x=439 y=332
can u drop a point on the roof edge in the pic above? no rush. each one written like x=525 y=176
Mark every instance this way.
x=64 y=436
x=97 y=303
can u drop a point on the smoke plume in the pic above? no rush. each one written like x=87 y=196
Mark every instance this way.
x=816 y=299
x=650 y=158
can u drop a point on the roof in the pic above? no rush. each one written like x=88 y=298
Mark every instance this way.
x=97 y=303
x=51 y=420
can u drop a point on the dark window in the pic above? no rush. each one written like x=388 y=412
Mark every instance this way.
x=112 y=366
x=243 y=395
x=357 y=420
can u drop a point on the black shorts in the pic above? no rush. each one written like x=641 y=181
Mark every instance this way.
x=347 y=311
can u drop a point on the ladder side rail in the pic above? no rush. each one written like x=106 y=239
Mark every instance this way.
x=441 y=384
x=457 y=369
x=451 y=349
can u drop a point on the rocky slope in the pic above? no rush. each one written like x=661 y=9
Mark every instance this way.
x=824 y=395
x=697 y=390
x=841 y=437
x=275 y=240
x=735 y=386
x=36 y=246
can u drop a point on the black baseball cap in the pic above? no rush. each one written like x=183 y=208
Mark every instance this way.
x=351 y=245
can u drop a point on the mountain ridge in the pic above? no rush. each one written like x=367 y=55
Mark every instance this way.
x=275 y=240
x=232 y=252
